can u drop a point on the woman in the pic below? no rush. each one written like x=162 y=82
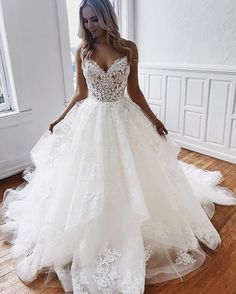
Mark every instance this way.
x=108 y=206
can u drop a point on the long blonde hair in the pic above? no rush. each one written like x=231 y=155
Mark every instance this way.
x=107 y=20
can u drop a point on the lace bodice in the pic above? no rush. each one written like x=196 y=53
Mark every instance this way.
x=107 y=85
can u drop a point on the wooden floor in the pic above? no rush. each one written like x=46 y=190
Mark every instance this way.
x=217 y=275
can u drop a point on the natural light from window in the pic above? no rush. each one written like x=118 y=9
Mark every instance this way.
x=73 y=23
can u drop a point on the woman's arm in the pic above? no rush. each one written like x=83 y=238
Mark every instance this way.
x=136 y=94
x=81 y=91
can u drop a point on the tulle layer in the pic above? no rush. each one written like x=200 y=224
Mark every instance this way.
x=108 y=207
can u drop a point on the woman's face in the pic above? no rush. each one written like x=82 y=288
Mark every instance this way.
x=91 y=21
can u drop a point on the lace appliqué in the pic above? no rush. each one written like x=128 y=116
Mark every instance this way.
x=208 y=236
x=62 y=136
x=107 y=86
x=28 y=174
x=160 y=230
x=91 y=203
x=30 y=250
x=106 y=276
x=148 y=252
x=135 y=284
x=79 y=279
x=106 y=273
x=184 y=258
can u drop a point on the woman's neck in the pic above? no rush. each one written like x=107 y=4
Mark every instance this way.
x=101 y=40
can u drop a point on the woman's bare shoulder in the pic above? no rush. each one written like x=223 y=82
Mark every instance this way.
x=133 y=48
x=79 y=49
x=78 y=53
x=130 y=43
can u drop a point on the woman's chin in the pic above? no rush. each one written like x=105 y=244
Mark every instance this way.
x=97 y=34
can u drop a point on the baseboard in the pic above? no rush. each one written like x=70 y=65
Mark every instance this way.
x=14 y=166
x=206 y=151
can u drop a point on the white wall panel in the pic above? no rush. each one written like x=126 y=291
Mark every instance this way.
x=192 y=124
x=196 y=104
x=157 y=109
x=142 y=82
x=233 y=135
x=194 y=92
x=216 y=118
x=155 y=87
x=234 y=100
x=173 y=96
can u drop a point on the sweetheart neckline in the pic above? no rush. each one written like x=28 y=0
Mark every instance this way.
x=110 y=66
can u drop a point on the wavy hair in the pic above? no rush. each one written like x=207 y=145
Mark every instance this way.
x=107 y=20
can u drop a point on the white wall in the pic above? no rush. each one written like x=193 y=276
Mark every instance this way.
x=34 y=44
x=187 y=70
x=186 y=31
x=197 y=106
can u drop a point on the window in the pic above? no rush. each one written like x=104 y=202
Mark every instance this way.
x=115 y=4
x=4 y=89
x=73 y=23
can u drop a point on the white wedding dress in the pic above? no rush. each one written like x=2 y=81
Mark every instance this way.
x=108 y=207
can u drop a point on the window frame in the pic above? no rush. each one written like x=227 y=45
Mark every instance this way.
x=10 y=116
x=4 y=77
x=127 y=14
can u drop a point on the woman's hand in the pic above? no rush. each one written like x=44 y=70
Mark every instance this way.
x=52 y=125
x=160 y=127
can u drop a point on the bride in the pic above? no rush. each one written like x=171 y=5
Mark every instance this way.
x=108 y=207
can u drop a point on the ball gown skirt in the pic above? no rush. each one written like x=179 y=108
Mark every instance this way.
x=107 y=206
